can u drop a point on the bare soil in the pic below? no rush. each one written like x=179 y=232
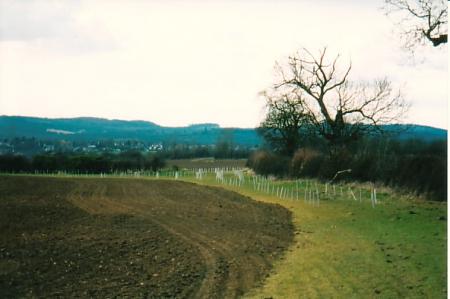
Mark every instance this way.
x=67 y=237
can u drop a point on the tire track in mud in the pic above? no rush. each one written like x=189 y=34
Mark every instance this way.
x=216 y=255
x=234 y=256
x=208 y=253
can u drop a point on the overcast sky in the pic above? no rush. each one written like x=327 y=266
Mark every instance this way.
x=178 y=63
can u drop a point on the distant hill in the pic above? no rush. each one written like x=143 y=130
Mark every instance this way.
x=425 y=133
x=89 y=129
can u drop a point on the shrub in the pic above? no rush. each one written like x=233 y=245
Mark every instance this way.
x=306 y=162
x=14 y=163
x=364 y=167
x=423 y=174
x=266 y=163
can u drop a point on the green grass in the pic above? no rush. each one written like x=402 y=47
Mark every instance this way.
x=348 y=249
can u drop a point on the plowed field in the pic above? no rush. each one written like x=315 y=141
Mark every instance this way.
x=62 y=237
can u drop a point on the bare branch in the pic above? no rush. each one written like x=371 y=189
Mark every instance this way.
x=340 y=110
x=420 y=21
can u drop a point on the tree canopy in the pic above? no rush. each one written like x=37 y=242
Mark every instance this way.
x=285 y=118
x=317 y=90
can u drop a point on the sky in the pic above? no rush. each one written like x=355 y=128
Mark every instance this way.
x=177 y=63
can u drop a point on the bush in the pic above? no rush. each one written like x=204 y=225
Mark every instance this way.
x=306 y=162
x=154 y=163
x=340 y=159
x=423 y=174
x=364 y=167
x=14 y=163
x=266 y=163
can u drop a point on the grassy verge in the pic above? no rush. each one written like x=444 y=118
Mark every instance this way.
x=348 y=249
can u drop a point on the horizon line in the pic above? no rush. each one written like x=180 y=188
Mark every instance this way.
x=181 y=126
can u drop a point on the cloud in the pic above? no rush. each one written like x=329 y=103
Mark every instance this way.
x=50 y=24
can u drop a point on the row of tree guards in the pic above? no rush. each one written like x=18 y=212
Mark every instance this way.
x=310 y=191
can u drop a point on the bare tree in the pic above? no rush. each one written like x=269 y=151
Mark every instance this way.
x=340 y=110
x=419 y=21
x=285 y=117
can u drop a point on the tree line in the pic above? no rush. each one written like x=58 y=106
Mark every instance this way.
x=414 y=164
x=86 y=163
x=105 y=162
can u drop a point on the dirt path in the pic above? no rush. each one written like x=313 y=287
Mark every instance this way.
x=182 y=240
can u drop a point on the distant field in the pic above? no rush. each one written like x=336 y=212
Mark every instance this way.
x=87 y=237
x=206 y=163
